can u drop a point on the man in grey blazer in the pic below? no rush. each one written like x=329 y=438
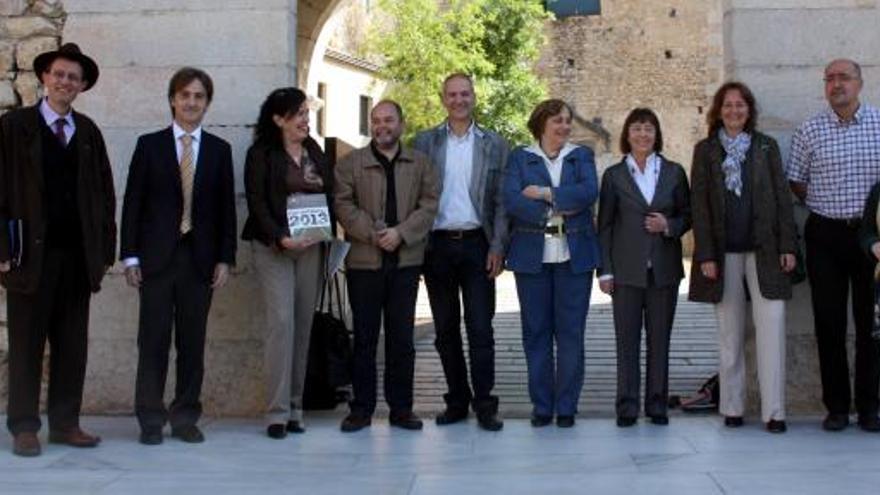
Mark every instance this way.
x=466 y=250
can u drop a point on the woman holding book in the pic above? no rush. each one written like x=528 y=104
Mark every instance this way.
x=285 y=166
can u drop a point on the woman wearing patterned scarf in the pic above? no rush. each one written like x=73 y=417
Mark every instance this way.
x=744 y=236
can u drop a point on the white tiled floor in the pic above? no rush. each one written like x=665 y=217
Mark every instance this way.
x=694 y=454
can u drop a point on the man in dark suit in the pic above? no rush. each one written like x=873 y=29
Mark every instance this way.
x=466 y=250
x=178 y=242
x=57 y=239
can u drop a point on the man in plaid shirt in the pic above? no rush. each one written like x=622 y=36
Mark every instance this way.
x=835 y=159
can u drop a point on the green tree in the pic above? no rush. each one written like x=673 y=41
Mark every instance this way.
x=497 y=41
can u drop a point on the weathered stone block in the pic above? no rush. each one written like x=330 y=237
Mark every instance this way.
x=48 y=8
x=12 y=7
x=28 y=88
x=142 y=91
x=27 y=50
x=802 y=4
x=8 y=98
x=7 y=57
x=76 y=6
x=758 y=36
x=233 y=353
x=24 y=27
x=179 y=37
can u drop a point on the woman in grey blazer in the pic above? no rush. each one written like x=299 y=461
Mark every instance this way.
x=644 y=210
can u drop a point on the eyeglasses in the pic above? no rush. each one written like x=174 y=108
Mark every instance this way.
x=70 y=76
x=844 y=78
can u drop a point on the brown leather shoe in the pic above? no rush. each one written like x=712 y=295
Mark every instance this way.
x=75 y=437
x=26 y=444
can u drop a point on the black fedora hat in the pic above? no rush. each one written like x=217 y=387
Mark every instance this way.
x=69 y=51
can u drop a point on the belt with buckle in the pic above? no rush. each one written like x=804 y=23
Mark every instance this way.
x=458 y=234
x=555 y=230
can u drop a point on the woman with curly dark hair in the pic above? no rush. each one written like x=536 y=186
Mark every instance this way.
x=285 y=163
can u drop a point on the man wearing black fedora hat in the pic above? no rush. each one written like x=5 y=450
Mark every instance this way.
x=57 y=240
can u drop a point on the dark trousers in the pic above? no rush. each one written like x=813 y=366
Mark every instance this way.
x=836 y=263
x=554 y=306
x=390 y=294
x=176 y=297
x=59 y=311
x=653 y=307
x=453 y=265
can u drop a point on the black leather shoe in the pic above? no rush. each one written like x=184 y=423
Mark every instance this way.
x=660 y=420
x=489 y=421
x=835 y=422
x=733 y=421
x=776 y=426
x=354 y=422
x=869 y=423
x=151 y=437
x=450 y=416
x=565 y=421
x=276 y=431
x=625 y=421
x=539 y=420
x=294 y=426
x=188 y=434
x=407 y=420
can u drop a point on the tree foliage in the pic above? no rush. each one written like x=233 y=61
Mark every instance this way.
x=496 y=41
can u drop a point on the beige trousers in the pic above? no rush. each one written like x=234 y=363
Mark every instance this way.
x=769 y=318
x=290 y=286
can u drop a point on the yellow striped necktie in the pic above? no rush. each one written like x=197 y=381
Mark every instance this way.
x=187 y=174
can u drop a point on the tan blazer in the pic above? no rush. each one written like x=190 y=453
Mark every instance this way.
x=359 y=199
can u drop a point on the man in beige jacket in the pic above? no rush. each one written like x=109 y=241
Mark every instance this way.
x=386 y=198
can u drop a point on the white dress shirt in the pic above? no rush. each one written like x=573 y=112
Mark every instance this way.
x=555 y=247
x=645 y=180
x=178 y=133
x=456 y=210
x=50 y=116
x=196 y=140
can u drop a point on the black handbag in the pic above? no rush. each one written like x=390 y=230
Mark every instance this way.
x=330 y=352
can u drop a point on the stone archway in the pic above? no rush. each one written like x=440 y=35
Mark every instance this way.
x=312 y=35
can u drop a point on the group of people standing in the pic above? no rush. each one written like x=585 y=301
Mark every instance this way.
x=457 y=207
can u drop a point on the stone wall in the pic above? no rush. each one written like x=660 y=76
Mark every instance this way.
x=27 y=28
x=663 y=55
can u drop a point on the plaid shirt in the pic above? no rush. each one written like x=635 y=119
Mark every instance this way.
x=839 y=161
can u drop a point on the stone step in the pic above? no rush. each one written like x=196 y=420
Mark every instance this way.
x=693 y=354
